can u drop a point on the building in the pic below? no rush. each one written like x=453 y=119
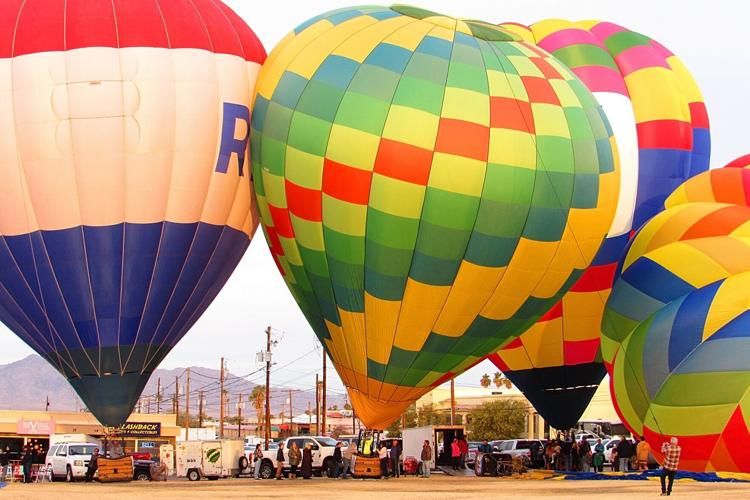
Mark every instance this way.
x=467 y=399
x=143 y=432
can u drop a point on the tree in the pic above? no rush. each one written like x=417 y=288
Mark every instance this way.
x=502 y=419
x=334 y=408
x=394 y=430
x=500 y=380
x=485 y=382
x=338 y=431
x=258 y=400
x=347 y=406
x=427 y=415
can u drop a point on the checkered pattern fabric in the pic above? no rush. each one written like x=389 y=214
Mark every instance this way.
x=561 y=353
x=677 y=324
x=428 y=187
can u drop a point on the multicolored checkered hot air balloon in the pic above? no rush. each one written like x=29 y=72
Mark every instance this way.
x=676 y=330
x=660 y=123
x=428 y=186
x=125 y=203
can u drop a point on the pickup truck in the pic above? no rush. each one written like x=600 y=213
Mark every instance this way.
x=322 y=453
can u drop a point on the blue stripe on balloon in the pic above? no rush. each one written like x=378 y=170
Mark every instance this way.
x=656 y=355
x=660 y=172
x=655 y=281
x=92 y=284
x=689 y=322
x=701 y=154
x=611 y=250
x=739 y=327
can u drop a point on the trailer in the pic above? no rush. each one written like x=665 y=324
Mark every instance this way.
x=210 y=459
x=440 y=438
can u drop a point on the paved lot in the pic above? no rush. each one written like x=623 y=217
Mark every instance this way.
x=411 y=488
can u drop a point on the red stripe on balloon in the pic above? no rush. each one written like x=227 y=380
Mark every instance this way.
x=581 y=351
x=498 y=361
x=303 y=202
x=462 y=138
x=698 y=115
x=665 y=134
x=596 y=278
x=554 y=313
x=36 y=26
x=346 y=183
x=281 y=221
x=741 y=162
x=403 y=161
x=718 y=223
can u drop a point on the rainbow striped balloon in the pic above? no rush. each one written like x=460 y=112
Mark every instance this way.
x=428 y=187
x=659 y=120
x=677 y=324
x=124 y=200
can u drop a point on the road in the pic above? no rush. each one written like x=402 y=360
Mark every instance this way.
x=409 y=488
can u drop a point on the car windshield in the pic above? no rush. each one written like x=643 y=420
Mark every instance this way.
x=474 y=444
x=273 y=446
x=324 y=441
x=503 y=445
x=81 y=450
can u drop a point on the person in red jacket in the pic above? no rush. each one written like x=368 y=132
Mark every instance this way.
x=464 y=445
x=455 y=454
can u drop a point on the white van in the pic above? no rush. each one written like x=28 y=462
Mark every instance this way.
x=69 y=460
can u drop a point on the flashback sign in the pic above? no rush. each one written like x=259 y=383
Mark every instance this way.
x=139 y=429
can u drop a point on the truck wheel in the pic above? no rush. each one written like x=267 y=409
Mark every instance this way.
x=51 y=473
x=193 y=475
x=267 y=471
x=243 y=463
x=326 y=467
x=142 y=476
x=69 y=475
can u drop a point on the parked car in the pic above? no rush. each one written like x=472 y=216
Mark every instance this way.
x=472 y=455
x=322 y=454
x=69 y=460
x=142 y=470
x=532 y=449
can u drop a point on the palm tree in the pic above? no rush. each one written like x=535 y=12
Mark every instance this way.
x=258 y=399
x=500 y=380
x=485 y=382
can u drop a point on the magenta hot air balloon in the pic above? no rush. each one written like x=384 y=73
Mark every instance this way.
x=125 y=198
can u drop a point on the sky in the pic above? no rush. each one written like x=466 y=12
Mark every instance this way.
x=709 y=37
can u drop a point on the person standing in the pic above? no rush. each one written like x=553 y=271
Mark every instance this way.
x=485 y=447
x=584 y=455
x=383 y=456
x=624 y=452
x=395 y=455
x=335 y=464
x=575 y=456
x=455 y=454
x=426 y=458
x=27 y=461
x=642 y=450
x=93 y=465
x=566 y=449
x=671 y=453
x=307 y=461
x=280 y=462
x=464 y=444
x=598 y=457
x=257 y=460
x=295 y=457
x=346 y=459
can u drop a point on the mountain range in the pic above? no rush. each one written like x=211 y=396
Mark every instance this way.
x=29 y=382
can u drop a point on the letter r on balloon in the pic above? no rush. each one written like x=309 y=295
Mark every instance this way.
x=233 y=115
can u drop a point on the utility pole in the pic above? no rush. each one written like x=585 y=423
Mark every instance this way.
x=267 y=426
x=453 y=402
x=239 y=416
x=317 y=405
x=200 y=409
x=221 y=400
x=187 y=406
x=158 y=395
x=291 y=415
x=324 y=393
x=177 y=401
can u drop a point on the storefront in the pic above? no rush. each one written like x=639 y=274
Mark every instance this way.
x=142 y=433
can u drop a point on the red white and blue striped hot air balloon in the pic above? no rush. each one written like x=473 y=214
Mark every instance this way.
x=125 y=201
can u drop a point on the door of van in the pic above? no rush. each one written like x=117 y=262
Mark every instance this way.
x=213 y=459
